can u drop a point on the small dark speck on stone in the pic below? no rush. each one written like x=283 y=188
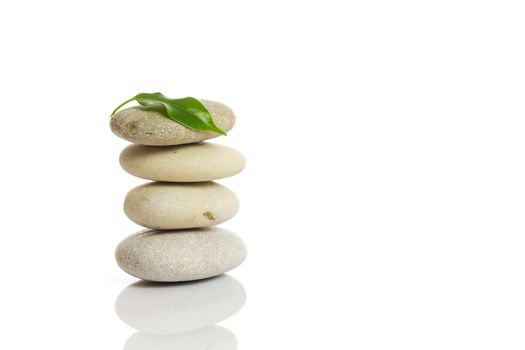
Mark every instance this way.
x=208 y=215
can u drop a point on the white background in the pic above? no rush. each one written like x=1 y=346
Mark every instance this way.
x=383 y=200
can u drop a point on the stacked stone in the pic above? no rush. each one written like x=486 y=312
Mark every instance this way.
x=183 y=203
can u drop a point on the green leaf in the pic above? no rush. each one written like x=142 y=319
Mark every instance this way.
x=187 y=111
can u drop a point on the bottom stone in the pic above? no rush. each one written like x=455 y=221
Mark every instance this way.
x=180 y=255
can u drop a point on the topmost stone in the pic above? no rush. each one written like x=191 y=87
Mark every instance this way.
x=148 y=127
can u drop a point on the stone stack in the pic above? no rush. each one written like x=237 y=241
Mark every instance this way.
x=183 y=203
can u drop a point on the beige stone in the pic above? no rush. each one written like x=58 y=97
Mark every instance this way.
x=183 y=163
x=184 y=255
x=149 y=127
x=164 y=205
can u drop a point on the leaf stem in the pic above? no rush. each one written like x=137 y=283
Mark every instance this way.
x=122 y=104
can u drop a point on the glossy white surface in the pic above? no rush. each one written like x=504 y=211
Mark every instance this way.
x=382 y=203
x=209 y=338
x=173 y=308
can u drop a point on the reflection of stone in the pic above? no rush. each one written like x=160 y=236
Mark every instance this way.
x=209 y=338
x=176 y=308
